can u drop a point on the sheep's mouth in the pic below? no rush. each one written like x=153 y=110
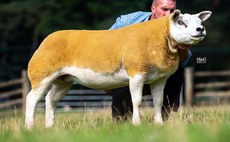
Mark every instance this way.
x=198 y=37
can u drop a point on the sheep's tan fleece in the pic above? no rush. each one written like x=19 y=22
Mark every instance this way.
x=137 y=48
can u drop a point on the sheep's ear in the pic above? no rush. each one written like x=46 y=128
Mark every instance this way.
x=175 y=15
x=204 y=15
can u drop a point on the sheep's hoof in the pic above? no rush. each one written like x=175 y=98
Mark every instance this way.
x=136 y=122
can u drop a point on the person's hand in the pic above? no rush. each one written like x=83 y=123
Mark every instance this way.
x=184 y=46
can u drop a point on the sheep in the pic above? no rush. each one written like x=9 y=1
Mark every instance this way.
x=144 y=53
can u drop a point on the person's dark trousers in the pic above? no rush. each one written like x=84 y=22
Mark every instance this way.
x=172 y=92
x=122 y=103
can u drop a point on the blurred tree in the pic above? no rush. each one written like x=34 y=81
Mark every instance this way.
x=17 y=24
x=25 y=23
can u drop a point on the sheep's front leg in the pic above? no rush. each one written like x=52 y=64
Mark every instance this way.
x=157 y=91
x=136 y=84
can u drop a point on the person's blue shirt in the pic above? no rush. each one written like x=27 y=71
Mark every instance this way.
x=138 y=17
x=132 y=18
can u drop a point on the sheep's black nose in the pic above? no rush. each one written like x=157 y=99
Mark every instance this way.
x=200 y=29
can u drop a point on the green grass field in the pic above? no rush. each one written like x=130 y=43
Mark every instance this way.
x=206 y=124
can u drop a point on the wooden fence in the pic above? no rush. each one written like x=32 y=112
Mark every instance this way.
x=21 y=89
x=77 y=98
x=80 y=97
x=217 y=89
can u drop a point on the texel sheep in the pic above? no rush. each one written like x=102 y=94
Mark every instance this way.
x=135 y=55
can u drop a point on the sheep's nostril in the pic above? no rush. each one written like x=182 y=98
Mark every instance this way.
x=199 y=29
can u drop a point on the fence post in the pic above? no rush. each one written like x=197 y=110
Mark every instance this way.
x=25 y=89
x=189 y=74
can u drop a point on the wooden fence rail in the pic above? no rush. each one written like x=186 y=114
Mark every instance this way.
x=80 y=97
x=191 y=86
x=77 y=98
x=20 y=91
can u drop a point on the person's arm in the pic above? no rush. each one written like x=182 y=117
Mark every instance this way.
x=185 y=55
x=120 y=22
x=132 y=18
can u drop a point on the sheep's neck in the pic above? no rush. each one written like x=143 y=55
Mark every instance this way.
x=172 y=44
x=172 y=56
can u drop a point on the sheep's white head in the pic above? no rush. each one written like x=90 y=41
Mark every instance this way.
x=187 y=28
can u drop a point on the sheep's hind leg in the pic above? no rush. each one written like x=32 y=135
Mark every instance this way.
x=57 y=92
x=31 y=102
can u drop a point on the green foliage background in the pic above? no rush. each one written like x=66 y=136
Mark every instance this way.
x=25 y=23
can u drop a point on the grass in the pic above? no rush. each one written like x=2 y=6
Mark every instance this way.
x=205 y=124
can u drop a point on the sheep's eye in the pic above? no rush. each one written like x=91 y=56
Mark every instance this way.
x=180 y=22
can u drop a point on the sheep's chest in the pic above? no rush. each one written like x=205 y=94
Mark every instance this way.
x=156 y=73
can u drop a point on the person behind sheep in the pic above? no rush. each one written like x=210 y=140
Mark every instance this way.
x=121 y=101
